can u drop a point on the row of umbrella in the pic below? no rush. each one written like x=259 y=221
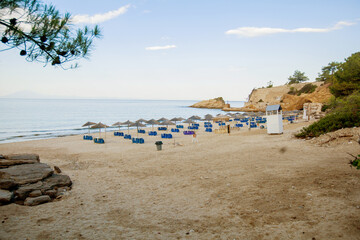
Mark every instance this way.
x=152 y=122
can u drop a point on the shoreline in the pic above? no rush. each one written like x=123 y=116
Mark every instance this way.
x=244 y=185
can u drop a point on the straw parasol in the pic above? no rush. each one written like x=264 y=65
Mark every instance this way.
x=176 y=119
x=208 y=117
x=88 y=124
x=117 y=124
x=141 y=120
x=194 y=117
x=137 y=125
x=189 y=121
x=127 y=123
x=100 y=126
x=167 y=123
x=222 y=118
x=152 y=122
x=163 y=119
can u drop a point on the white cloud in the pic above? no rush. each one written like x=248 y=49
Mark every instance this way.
x=154 y=48
x=261 y=31
x=99 y=18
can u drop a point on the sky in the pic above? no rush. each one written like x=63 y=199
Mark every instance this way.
x=191 y=50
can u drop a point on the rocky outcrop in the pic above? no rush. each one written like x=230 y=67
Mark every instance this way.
x=262 y=97
x=30 y=182
x=5 y=196
x=26 y=173
x=216 y=103
x=32 y=201
x=17 y=159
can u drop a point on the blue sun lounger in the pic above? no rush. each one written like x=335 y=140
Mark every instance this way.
x=99 y=140
x=138 y=140
x=188 y=132
x=166 y=135
x=87 y=137
x=152 y=133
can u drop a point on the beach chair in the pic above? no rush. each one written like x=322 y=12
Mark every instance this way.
x=99 y=140
x=87 y=137
x=188 y=132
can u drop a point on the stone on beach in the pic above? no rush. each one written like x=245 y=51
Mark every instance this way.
x=24 y=180
x=5 y=196
x=26 y=173
x=32 y=201
x=24 y=156
x=17 y=159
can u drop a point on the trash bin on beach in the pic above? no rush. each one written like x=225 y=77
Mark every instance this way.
x=159 y=145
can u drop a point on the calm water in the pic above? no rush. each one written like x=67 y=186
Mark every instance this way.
x=28 y=119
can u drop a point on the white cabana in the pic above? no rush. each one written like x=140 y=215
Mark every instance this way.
x=274 y=119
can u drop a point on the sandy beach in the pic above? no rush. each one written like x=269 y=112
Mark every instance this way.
x=247 y=185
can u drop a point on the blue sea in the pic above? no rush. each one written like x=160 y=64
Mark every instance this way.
x=29 y=119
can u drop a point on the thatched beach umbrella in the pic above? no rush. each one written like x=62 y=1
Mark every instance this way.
x=222 y=118
x=141 y=120
x=176 y=119
x=194 y=117
x=152 y=122
x=167 y=123
x=100 y=126
x=208 y=117
x=137 y=125
x=163 y=119
x=117 y=124
x=189 y=121
x=88 y=124
x=128 y=124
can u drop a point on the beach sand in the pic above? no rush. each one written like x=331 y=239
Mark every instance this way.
x=247 y=185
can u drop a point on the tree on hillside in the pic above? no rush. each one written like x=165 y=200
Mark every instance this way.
x=347 y=77
x=297 y=77
x=327 y=74
x=42 y=34
x=344 y=108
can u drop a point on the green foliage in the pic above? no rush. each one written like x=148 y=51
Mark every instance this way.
x=347 y=77
x=219 y=99
x=356 y=162
x=292 y=91
x=261 y=100
x=308 y=88
x=297 y=77
x=346 y=114
x=330 y=105
x=327 y=74
x=270 y=84
x=42 y=34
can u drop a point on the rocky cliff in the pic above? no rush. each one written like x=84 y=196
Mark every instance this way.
x=216 y=103
x=290 y=97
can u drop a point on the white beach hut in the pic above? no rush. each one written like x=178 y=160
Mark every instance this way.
x=274 y=119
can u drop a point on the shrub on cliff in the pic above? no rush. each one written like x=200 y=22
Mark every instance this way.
x=308 y=88
x=346 y=114
x=347 y=77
